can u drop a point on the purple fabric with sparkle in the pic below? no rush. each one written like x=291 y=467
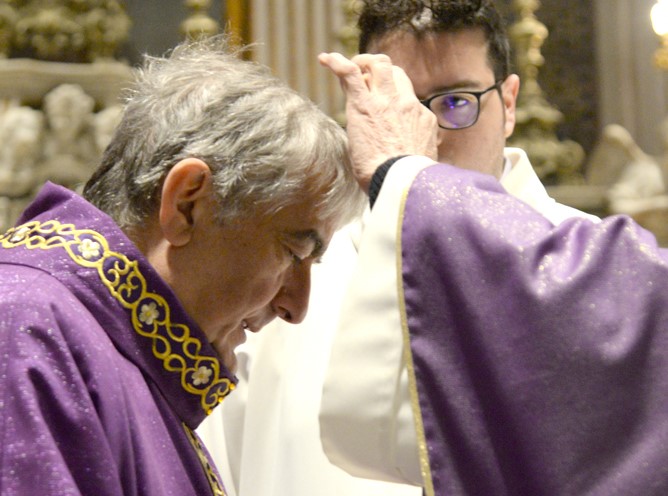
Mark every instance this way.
x=87 y=404
x=540 y=353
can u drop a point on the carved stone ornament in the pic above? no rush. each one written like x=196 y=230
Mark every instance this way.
x=555 y=161
x=62 y=30
x=60 y=90
x=199 y=24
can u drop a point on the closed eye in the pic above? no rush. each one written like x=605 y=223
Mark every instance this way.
x=303 y=245
x=297 y=260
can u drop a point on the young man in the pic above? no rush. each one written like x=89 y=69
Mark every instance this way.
x=120 y=311
x=455 y=53
x=535 y=354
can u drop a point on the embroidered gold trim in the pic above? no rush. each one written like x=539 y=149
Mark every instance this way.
x=172 y=342
x=211 y=475
x=425 y=467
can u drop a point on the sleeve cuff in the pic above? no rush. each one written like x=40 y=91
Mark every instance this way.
x=378 y=178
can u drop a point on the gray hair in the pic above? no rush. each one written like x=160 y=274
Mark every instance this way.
x=266 y=145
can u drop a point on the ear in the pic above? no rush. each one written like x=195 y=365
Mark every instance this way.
x=187 y=183
x=509 y=90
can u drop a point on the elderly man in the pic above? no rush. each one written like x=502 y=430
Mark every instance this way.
x=121 y=310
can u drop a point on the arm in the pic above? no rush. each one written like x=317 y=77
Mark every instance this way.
x=376 y=438
x=534 y=353
x=531 y=347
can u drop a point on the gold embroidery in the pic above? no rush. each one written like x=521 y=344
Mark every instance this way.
x=172 y=343
x=211 y=475
x=423 y=450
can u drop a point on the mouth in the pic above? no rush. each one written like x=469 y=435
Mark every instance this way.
x=245 y=326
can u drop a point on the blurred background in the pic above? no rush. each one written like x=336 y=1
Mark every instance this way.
x=592 y=112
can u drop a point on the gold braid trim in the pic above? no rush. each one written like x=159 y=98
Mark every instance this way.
x=150 y=312
x=423 y=449
x=211 y=475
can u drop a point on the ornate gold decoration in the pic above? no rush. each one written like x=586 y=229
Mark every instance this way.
x=8 y=18
x=81 y=31
x=349 y=34
x=238 y=23
x=172 y=343
x=214 y=481
x=45 y=44
x=199 y=24
x=554 y=161
x=423 y=449
x=661 y=54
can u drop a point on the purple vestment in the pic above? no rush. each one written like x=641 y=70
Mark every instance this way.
x=540 y=354
x=103 y=376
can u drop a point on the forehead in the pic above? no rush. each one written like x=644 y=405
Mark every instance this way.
x=302 y=221
x=438 y=61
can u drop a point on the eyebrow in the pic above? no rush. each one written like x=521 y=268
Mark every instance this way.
x=458 y=86
x=310 y=235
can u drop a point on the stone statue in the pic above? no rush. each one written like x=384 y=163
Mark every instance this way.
x=21 y=132
x=70 y=153
x=105 y=122
x=65 y=31
x=51 y=33
x=637 y=180
x=106 y=26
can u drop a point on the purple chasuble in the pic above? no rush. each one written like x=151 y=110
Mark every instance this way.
x=103 y=376
x=540 y=353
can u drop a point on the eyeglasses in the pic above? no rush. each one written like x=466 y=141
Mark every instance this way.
x=457 y=109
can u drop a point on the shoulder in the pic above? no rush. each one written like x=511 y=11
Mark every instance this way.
x=42 y=320
x=30 y=295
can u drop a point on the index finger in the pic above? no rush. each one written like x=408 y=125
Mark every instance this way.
x=349 y=73
x=380 y=71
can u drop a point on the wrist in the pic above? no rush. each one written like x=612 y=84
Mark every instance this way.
x=379 y=176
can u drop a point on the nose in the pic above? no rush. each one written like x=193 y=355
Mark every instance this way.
x=291 y=302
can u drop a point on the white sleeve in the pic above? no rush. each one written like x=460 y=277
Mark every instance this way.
x=366 y=419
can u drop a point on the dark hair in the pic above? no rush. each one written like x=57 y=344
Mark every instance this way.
x=380 y=17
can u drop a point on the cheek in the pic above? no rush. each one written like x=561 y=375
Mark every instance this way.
x=457 y=147
x=477 y=148
x=258 y=287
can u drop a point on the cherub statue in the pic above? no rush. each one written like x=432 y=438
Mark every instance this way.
x=21 y=131
x=70 y=153
x=105 y=122
x=636 y=180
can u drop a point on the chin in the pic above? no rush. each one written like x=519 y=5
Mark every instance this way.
x=229 y=360
x=225 y=347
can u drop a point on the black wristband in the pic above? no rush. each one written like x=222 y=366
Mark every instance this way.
x=379 y=176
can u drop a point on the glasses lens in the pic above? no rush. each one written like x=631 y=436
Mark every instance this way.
x=455 y=110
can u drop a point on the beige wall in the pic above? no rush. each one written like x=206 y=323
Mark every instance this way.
x=290 y=35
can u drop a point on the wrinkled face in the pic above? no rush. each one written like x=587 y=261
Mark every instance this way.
x=242 y=275
x=457 y=61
